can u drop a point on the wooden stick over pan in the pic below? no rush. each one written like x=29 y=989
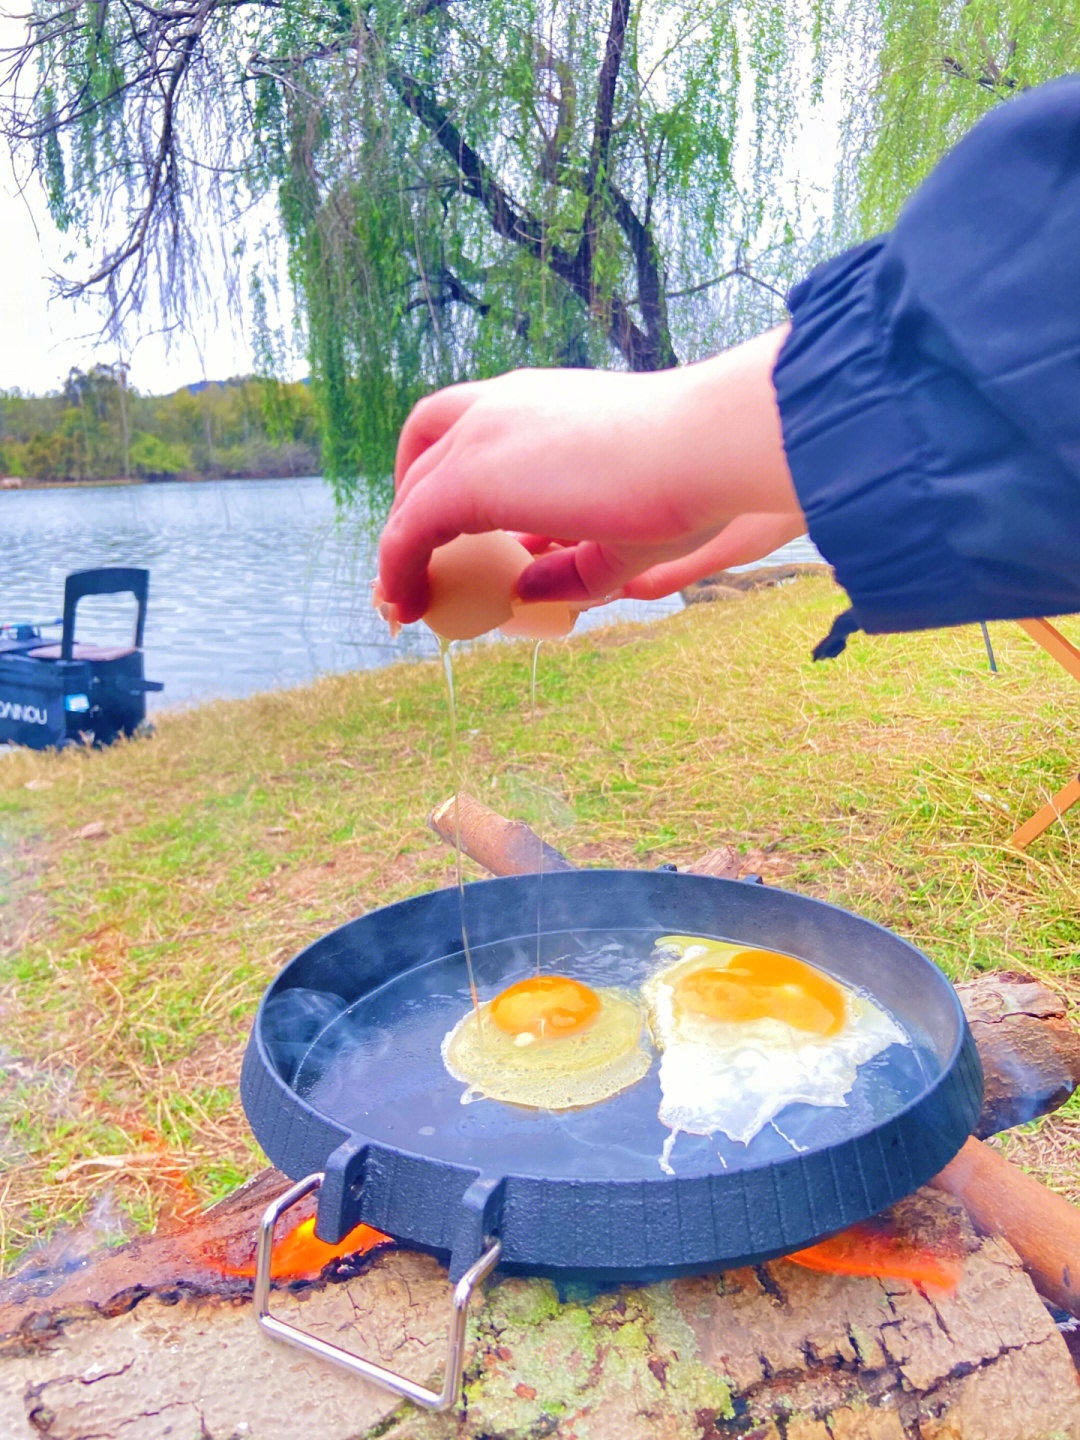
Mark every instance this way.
x=505 y=847
x=1042 y=1227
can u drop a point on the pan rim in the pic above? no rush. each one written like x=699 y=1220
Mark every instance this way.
x=299 y=1138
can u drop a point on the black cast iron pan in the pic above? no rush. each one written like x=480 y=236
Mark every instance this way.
x=343 y=1074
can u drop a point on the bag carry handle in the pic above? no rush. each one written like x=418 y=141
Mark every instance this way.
x=108 y=580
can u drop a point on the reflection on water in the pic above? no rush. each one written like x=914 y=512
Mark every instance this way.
x=254 y=584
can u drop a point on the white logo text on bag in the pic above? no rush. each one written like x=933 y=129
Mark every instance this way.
x=28 y=714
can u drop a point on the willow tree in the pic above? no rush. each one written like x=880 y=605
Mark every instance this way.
x=920 y=73
x=464 y=185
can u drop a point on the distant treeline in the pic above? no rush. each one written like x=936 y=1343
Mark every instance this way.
x=98 y=428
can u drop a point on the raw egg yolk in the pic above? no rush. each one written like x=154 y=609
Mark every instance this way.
x=545 y=1006
x=760 y=984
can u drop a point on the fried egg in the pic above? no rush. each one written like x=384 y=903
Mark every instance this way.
x=549 y=1042
x=745 y=1032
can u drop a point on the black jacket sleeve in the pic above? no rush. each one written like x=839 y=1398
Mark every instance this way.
x=929 y=389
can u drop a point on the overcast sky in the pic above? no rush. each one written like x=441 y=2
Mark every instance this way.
x=42 y=337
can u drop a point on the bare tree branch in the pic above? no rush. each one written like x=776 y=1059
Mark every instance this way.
x=600 y=151
x=738 y=271
x=162 y=173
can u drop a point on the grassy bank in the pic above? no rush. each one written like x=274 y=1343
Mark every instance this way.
x=151 y=891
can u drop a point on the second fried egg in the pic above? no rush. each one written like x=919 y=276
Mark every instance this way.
x=745 y=1032
x=549 y=1042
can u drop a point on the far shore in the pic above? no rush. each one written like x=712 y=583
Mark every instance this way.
x=22 y=483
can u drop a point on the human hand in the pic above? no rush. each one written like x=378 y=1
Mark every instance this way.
x=746 y=539
x=628 y=473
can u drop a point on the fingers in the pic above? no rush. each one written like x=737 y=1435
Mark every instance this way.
x=746 y=539
x=585 y=574
x=624 y=467
x=405 y=548
x=429 y=421
x=580 y=572
x=453 y=489
x=443 y=495
x=410 y=535
x=426 y=461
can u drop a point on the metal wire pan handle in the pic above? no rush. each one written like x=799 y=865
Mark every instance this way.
x=455 y=1350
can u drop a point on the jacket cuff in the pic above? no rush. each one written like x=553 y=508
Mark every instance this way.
x=906 y=475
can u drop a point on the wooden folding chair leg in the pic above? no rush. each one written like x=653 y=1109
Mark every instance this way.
x=1068 y=657
x=1044 y=818
x=1055 y=644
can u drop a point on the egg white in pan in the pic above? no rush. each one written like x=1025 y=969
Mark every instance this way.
x=744 y=1032
x=550 y=1042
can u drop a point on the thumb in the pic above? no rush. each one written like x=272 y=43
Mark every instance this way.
x=592 y=572
x=584 y=573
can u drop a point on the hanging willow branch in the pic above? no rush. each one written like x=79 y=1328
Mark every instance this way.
x=464 y=185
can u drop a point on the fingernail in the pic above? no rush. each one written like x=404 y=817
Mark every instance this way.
x=386 y=610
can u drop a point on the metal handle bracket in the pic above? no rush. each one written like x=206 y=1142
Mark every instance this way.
x=389 y=1380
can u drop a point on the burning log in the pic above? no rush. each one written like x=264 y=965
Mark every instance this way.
x=772 y=1350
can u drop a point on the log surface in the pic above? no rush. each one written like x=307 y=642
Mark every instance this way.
x=1029 y=1051
x=769 y=1352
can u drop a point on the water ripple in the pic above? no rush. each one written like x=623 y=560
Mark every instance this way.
x=254 y=584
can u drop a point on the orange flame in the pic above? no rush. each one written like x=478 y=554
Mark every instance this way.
x=300 y=1256
x=865 y=1250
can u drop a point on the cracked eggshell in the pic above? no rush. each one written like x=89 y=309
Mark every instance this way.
x=472 y=581
x=540 y=620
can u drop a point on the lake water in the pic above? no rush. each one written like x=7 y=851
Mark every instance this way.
x=254 y=584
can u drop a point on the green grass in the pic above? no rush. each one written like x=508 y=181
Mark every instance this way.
x=151 y=891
